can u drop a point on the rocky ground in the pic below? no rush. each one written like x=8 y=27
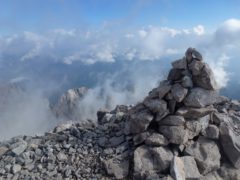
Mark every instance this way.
x=182 y=130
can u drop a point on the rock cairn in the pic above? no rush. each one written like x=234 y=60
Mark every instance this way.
x=182 y=130
x=178 y=132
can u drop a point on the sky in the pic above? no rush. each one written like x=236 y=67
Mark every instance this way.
x=36 y=15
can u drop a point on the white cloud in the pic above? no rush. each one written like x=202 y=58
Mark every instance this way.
x=199 y=30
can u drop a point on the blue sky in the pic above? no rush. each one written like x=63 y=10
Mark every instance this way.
x=41 y=15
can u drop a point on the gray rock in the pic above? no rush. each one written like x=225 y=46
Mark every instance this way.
x=194 y=113
x=102 y=141
x=3 y=150
x=140 y=138
x=115 y=141
x=16 y=168
x=187 y=82
x=196 y=67
x=174 y=134
x=175 y=75
x=188 y=54
x=212 y=175
x=156 y=139
x=161 y=91
x=179 y=92
x=196 y=126
x=228 y=172
x=206 y=154
x=211 y=132
x=155 y=105
x=61 y=156
x=117 y=169
x=19 y=147
x=180 y=64
x=191 y=169
x=196 y=55
x=230 y=144
x=140 y=118
x=172 y=120
x=148 y=160
x=218 y=118
x=177 y=169
x=199 y=98
x=205 y=79
x=164 y=88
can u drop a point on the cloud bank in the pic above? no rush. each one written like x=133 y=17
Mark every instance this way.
x=120 y=66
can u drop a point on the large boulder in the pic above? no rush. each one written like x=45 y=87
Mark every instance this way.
x=172 y=120
x=191 y=169
x=205 y=79
x=175 y=134
x=177 y=169
x=140 y=118
x=156 y=105
x=116 y=168
x=156 y=139
x=160 y=91
x=199 y=97
x=180 y=64
x=206 y=153
x=196 y=126
x=148 y=160
x=230 y=142
x=175 y=74
x=179 y=92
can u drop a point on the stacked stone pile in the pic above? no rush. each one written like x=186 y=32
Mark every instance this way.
x=182 y=130
x=178 y=132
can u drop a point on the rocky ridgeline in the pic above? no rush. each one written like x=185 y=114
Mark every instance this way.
x=182 y=130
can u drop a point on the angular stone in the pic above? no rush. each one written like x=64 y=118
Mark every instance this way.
x=148 y=160
x=213 y=176
x=155 y=105
x=218 y=118
x=199 y=98
x=191 y=169
x=172 y=120
x=230 y=144
x=196 y=55
x=206 y=154
x=3 y=150
x=61 y=156
x=19 y=147
x=115 y=141
x=161 y=91
x=16 y=168
x=196 y=67
x=187 y=82
x=140 y=118
x=179 y=92
x=119 y=170
x=175 y=74
x=140 y=138
x=228 y=172
x=195 y=127
x=211 y=132
x=188 y=54
x=180 y=64
x=194 y=113
x=156 y=139
x=174 y=134
x=205 y=79
x=161 y=115
x=177 y=169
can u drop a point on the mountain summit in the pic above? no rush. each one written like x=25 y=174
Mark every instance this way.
x=182 y=130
